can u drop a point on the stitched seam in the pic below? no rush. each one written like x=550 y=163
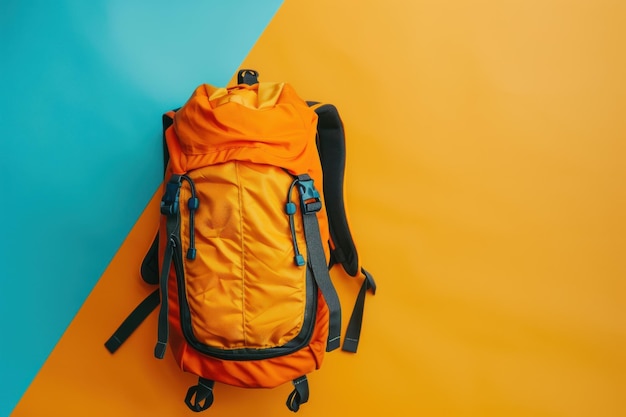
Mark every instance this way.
x=243 y=257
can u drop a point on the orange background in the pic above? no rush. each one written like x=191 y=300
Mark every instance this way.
x=485 y=184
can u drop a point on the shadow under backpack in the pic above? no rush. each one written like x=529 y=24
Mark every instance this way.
x=246 y=240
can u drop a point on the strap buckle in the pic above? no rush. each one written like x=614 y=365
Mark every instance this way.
x=310 y=201
x=169 y=202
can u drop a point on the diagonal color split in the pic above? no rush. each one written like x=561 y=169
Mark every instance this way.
x=484 y=190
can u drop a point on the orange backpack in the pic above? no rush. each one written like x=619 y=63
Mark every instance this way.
x=252 y=220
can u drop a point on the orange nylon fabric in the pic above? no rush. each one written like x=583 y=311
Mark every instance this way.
x=277 y=128
x=239 y=145
x=266 y=123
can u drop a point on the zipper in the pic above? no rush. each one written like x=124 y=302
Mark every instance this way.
x=244 y=354
x=192 y=204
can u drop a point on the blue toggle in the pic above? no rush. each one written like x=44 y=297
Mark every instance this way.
x=193 y=203
x=290 y=208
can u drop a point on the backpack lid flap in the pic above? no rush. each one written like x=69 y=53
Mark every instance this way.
x=263 y=123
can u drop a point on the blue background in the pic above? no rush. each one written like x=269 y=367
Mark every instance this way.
x=84 y=85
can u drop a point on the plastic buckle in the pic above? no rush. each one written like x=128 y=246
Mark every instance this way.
x=169 y=202
x=309 y=197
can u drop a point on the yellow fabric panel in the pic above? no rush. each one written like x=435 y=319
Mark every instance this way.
x=243 y=238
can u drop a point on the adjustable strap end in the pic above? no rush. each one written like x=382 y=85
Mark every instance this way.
x=350 y=345
x=113 y=344
x=159 y=350
x=130 y=324
x=333 y=344
x=369 y=281
x=299 y=395
x=353 y=333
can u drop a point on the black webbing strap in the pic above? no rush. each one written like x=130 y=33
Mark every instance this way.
x=163 y=329
x=310 y=205
x=200 y=397
x=128 y=326
x=353 y=332
x=299 y=395
x=317 y=262
x=169 y=208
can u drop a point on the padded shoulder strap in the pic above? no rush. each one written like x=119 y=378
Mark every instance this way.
x=332 y=149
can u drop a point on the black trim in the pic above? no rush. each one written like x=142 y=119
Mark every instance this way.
x=246 y=354
x=192 y=204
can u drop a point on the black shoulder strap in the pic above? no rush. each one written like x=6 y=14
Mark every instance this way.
x=331 y=145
